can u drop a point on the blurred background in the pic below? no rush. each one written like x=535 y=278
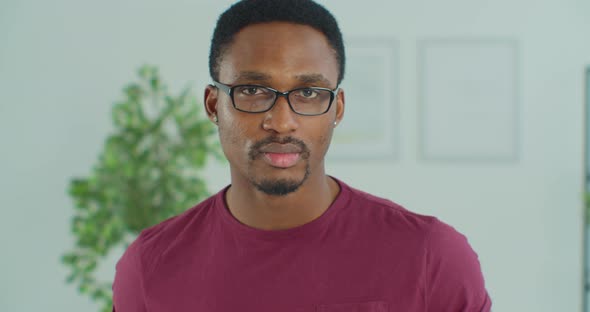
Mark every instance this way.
x=478 y=112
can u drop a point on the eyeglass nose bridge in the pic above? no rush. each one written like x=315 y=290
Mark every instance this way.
x=286 y=96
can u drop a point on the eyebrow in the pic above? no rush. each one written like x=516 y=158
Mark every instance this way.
x=313 y=78
x=253 y=76
x=259 y=77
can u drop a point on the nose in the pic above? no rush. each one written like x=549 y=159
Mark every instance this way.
x=280 y=119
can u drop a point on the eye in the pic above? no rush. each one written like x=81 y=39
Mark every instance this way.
x=251 y=90
x=308 y=93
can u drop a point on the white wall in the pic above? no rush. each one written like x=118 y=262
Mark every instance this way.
x=63 y=63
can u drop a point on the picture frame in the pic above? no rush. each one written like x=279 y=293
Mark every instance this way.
x=469 y=100
x=370 y=128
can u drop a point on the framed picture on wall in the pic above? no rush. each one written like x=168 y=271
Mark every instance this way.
x=469 y=107
x=371 y=84
x=587 y=125
x=587 y=197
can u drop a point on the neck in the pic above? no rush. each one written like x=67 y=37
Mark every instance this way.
x=269 y=212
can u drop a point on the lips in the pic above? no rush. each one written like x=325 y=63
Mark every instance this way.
x=281 y=155
x=278 y=148
x=282 y=160
x=279 y=152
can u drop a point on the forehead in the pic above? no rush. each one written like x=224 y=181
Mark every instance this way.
x=279 y=52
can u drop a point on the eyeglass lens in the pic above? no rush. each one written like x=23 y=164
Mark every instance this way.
x=304 y=101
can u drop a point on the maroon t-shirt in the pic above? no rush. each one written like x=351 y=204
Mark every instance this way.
x=364 y=254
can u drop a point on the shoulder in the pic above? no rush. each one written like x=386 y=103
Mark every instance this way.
x=157 y=240
x=439 y=239
x=378 y=210
x=143 y=255
x=452 y=272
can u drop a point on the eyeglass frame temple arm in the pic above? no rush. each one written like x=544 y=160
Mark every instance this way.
x=224 y=88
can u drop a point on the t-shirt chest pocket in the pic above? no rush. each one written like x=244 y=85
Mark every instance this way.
x=371 y=306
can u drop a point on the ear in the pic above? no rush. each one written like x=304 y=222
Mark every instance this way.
x=339 y=106
x=210 y=102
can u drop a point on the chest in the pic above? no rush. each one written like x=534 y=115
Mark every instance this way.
x=315 y=276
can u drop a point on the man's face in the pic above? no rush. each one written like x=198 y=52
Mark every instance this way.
x=278 y=150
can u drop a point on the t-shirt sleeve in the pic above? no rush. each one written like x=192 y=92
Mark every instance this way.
x=454 y=281
x=128 y=288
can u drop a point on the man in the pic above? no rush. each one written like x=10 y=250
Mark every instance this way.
x=284 y=236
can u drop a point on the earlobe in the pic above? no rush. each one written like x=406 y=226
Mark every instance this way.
x=210 y=102
x=339 y=107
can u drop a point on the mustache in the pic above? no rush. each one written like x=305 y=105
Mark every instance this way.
x=256 y=149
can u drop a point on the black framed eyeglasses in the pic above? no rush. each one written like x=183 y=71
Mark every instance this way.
x=307 y=101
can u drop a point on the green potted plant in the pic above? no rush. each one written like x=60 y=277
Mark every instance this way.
x=149 y=170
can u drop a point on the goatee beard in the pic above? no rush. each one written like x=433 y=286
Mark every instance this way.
x=280 y=187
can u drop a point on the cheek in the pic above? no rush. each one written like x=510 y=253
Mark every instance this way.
x=229 y=128
x=231 y=137
x=234 y=137
x=322 y=142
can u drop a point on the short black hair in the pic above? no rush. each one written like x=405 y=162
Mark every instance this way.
x=248 y=12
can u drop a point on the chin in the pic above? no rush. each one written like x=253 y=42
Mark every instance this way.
x=278 y=187
x=282 y=184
